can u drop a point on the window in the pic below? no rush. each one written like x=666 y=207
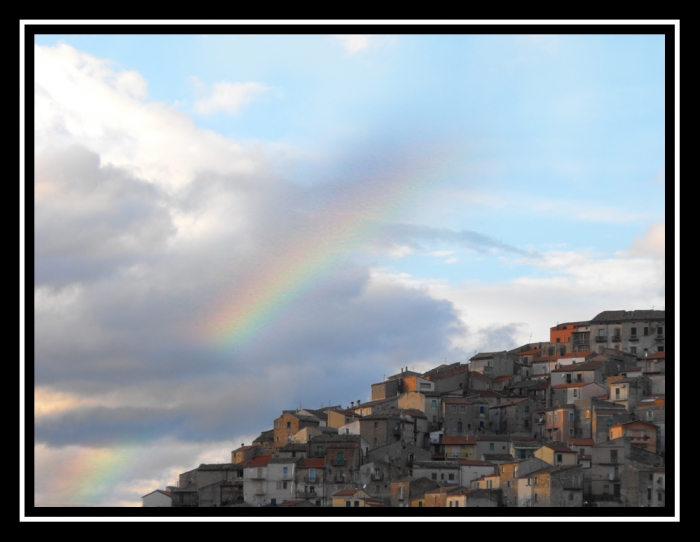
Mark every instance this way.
x=659 y=331
x=279 y=485
x=277 y=439
x=451 y=476
x=558 y=340
x=340 y=458
x=481 y=424
x=650 y=415
x=633 y=331
x=462 y=409
x=420 y=504
x=453 y=408
x=376 y=441
x=658 y=498
x=481 y=410
x=617 y=393
x=459 y=428
x=319 y=451
x=582 y=451
x=289 y=424
x=575 y=392
x=556 y=416
x=442 y=476
x=660 y=349
x=535 y=497
x=527 y=424
x=312 y=474
x=550 y=350
x=456 y=503
x=285 y=471
x=491 y=447
x=347 y=503
x=284 y=485
x=646 y=331
x=606 y=489
x=376 y=426
x=613 y=456
x=277 y=425
x=562 y=351
x=571 y=431
x=490 y=363
x=450 y=504
x=633 y=349
x=559 y=458
x=433 y=475
x=357 y=504
x=376 y=489
x=434 y=403
x=571 y=416
x=568 y=378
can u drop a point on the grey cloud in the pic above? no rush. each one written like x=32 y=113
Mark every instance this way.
x=496 y=338
x=414 y=235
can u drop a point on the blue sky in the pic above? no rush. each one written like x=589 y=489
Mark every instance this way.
x=172 y=167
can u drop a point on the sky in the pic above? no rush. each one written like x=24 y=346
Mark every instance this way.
x=226 y=226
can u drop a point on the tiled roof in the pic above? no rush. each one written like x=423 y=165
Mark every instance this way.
x=283 y=460
x=580 y=442
x=617 y=316
x=479 y=376
x=436 y=464
x=441 y=368
x=459 y=440
x=636 y=422
x=493 y=438
x=503 y=378
x=657 y=355
x=590 y=365
x=376 y=402
x=345 y=493
x=260 y=461
x=498 y=457
x=556 y=407
x=529 y=352
x=484 y=355
x=242 y=448
x=542 y=359
x=577 y=355
x=448 y=373
x=166 y=493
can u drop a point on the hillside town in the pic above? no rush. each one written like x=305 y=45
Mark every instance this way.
x=576 y=421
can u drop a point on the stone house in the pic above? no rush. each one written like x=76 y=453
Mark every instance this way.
x=629 y=391
x=157 y=499
x=494 y=363
x=408 y=489
x=644 y=486
x=340 y=417
x=604 y=419
x=595 y=370
x=464 y=416
x=653 y=410
x=636 y=332
x=555 y=423
x=353 y=498
x=511 y=471
x=566 y=394
x=289 y=423
x=443 y=472
x=513 y=416
x=310 y=481
x=437 y=498
x=642 y=434
x=559 y=486
x=459 y=447
x=471 y=469
x=452 y=378
x=493 y=444
x=556 y=454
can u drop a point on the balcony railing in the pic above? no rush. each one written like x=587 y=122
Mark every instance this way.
x=634 y=338
x=659 y=337
x=306 y=494
x=377 y=476
x=259 y=491
x=616 y=338
x=601 y=339
x=256 y=477
x=312 y=480
x=338 y=462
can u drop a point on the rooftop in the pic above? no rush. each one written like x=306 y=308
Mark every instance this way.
x=618 y=316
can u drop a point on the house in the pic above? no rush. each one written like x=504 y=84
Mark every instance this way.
x=372 y=407
x=410 y=489
x=428 y=402
x=353 y=498
x=643 y=434
x=256 y=487
x=555 y=423
x=221 y=493
x=447 y=472
x=388 y=426
x=538 y=388
x=564 y=394
x=644 y=486
x=281 y=476
x=637 y=332
x=459 y=447
x=510 y=472
x=653 y=410
x=307 y=433
x=437 y=498
x=556 y=454
x=450 y=378
x=526 y=357
x=584 y=414
x=629 y=391
x=493 y=444
x=464 y=416
x=566 y=333
x=474 y=498
x=559 y=486
x=488 y=481
x=605 y=418
x=544 y=365
x=513 y=416
x=523 y=446
x=157 y=498
x=310 y=480
x=244 y=452
x=400 y=454
x=375 y=477
x=493 y=363
x=266 y=438
x=597 y=369
x=471 y=469
x=289 y=423
x=340 y=417
x=296 y=503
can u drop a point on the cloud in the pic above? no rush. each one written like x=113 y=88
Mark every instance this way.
x=354 y=43
x=400 y=251
x=652 y=243
x=229 y=97
x=440 y=253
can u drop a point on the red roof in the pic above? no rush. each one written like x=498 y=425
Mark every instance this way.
x=503 y=378
x=479 y=376
x=459 y=440
x=580 y=442
x=260 y=461
x=560 y=449
x=546 y=358
x=657 y=355
x=573 y=385
x=529 y=352
x=577 y=354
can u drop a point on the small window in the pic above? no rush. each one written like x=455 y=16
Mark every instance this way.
x=462 y=409
x=633 y=349
x=454 y=408
x=491 y=447
x=646 y=331
x=559 y=458
x=659 y=331
x=558 y=340
x=376 y=426
x=289 y=424
x=347 y=504
x=660 y=349
x=571 y=431
x=434 y=404
x=433 y=476
x=571 y=416
x=451 y=476
x=633 y=331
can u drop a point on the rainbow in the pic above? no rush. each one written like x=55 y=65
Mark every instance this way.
x=344 y=225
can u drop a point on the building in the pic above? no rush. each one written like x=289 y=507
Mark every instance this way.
x=354 y=498
x=642 y=434
x=157 y=498
x=513 y=416
x=556 y=454
x=289 y=423
x=494 y=363
x=555 y=423
x=638 y=332
x=409 y=489
x=560 y=486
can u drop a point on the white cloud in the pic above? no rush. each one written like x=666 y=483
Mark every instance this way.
x=441 y=253
x=400 y=251
x=353 y=43
x=652 y=243
x=229 y=97
x=451 y=260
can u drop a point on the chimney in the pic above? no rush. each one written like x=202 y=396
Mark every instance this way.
x=352 y=404
x=242 y=444
x=358 y=402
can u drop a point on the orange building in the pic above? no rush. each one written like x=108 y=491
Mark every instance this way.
x=643 y=434
x=561 y=333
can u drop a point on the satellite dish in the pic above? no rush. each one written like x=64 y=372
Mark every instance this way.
x=364 y=486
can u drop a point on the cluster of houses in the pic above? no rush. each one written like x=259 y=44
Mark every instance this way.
x=575 y=421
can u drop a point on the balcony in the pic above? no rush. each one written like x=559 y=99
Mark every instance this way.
x=579 y=342
x=616 y=338
x=659 y=337
x=633 y=337
x=312 y=480
x=601 y=339
x=256 y=477
x=259 y=491
x=338 y=462
x=306 y=494
x=339 y=479
x=377 y=476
